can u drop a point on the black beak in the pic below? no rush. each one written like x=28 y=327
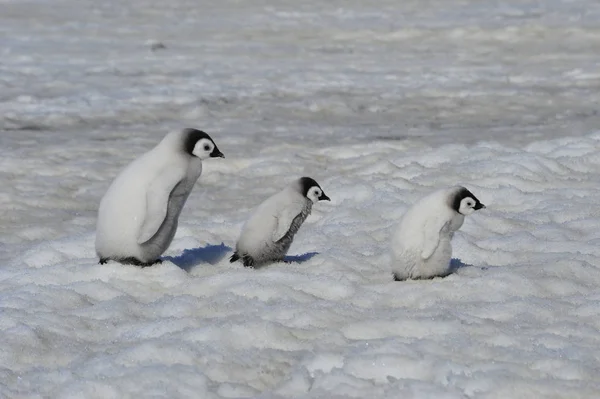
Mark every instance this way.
x=216 y=153
x=324 y=197
x=478 y=206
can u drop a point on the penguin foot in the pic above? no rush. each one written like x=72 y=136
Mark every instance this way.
x=154 y=262
x=103 y=261
x=130 y=261
x=136 y=262
x=247 y=260
x=396 y=278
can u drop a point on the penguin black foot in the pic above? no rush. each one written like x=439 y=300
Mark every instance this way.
x=103 y=261
x=152 y=263
x=136 y=262
x=247 y=260
x=396 y=278
x=130 y=261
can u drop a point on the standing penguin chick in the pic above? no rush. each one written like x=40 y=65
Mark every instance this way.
x=421 y=246
x=268 y=234
x=138 y=215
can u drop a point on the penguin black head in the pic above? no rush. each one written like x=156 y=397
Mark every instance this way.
x=465 y=203
x=199 y=144
x=311 y=190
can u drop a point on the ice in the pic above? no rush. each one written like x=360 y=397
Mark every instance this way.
x=381 y=102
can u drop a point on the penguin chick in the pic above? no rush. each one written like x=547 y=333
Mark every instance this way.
x=421 y=247
x=138 y=215
x=268 y=234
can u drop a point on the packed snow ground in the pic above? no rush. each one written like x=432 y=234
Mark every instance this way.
x=381 y=104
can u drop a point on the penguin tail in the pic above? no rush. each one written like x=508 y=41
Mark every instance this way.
x=234 y=257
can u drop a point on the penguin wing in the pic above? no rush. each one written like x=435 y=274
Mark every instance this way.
x=157 y=201
x=431 y=236
x=285 y=219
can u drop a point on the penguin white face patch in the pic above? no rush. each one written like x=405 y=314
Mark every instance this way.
x=311 y=190
x=203 y=148
x=314 y=194
x=199 y=144
x=468 y=205
x=464 y=202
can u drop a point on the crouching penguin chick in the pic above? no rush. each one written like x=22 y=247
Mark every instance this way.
x=268 y=234
x=421 y=246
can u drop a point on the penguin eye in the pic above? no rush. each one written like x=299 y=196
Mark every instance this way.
x=206 y=147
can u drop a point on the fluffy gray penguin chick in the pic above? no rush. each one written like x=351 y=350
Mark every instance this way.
x=268 y=234
x=421 y=246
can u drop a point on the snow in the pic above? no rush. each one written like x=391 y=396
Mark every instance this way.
x=381 y=103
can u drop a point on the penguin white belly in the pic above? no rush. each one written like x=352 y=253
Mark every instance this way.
x=121 y=215
x=406 y=260
x=438 y=265
x=257 y=232
x=408 y=263
x=123 y=210
x=408 y=248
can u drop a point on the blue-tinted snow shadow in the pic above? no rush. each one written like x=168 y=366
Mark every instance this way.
x=300 y=258
x=211 y=254
x=456 y=265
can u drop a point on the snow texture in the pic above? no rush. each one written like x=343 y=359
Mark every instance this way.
x=381 y=102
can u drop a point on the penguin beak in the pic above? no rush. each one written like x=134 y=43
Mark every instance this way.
x=478 y=206
x=324 y=197
x=216 y=153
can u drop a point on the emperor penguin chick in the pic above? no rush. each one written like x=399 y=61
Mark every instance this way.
x=268 y=234
x=421 y=246
x=139 y=213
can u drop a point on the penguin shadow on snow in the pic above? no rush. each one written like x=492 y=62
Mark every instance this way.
x=457 y=265
x=211 y=254
x=300 y=258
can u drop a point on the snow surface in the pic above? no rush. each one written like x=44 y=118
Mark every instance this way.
x=381 y=103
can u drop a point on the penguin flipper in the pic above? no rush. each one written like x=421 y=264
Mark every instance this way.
x=157 y=201
x=285 y=219
x=431 y=236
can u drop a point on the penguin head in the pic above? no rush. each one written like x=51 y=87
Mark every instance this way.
x=311 y=190
x=465 y=203
x=199 y=144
